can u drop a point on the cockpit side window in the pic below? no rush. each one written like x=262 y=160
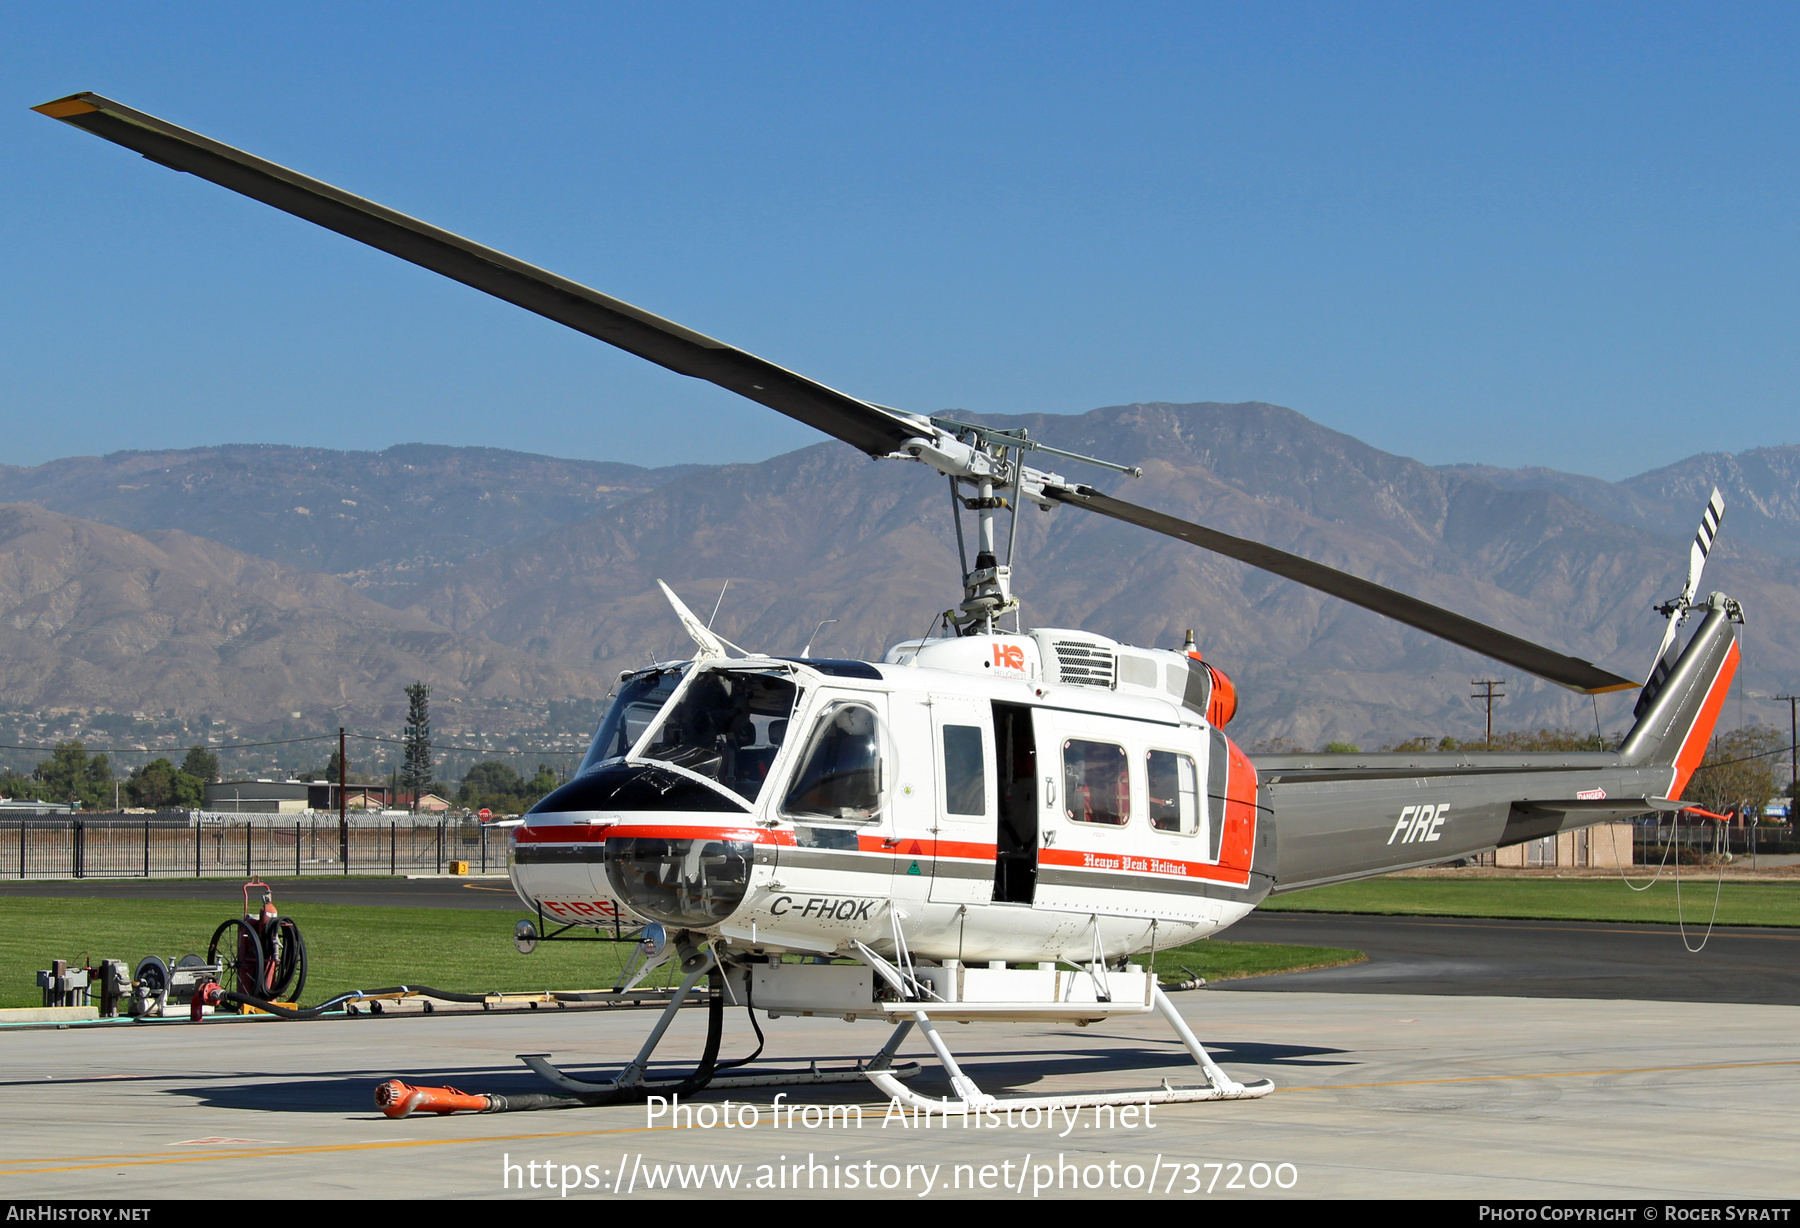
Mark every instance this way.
x=634 y=707
x=727 y=726
x=841 y=774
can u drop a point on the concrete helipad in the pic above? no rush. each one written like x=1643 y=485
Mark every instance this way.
x=1379 y=1096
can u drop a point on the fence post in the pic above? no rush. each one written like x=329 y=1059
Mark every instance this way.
x=196 y=846
x=393 y=846
x=77 y=831
x=296 y=848
x=21 y=848
x=484 y=848
x=249 y=827
x=440 y=847
x=146 y=848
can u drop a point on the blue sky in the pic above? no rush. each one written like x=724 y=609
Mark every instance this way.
x=1560 y=235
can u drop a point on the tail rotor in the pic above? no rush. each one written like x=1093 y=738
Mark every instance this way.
x=1676 y=610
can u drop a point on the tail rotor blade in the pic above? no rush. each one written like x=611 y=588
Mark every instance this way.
x=1711 y=516
x=1568 y=671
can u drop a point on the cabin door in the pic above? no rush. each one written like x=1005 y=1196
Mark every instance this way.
x=1016 y=805
x=965 y=801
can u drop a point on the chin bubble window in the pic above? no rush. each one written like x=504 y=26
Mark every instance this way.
x=841 y=772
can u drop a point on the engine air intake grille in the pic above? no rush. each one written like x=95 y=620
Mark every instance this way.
x=1080 y=664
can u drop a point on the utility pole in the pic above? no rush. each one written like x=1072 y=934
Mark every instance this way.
x=1490 y=695
x=343 y=807
x=1793 y=757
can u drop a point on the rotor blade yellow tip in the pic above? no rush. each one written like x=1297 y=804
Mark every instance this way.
x=62 y=108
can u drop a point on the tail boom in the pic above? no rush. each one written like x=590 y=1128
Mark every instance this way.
x=1348 y=816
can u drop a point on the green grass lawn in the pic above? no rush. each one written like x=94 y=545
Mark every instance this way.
x=348 y=946
x=1568 y=899
x=1226 y=961
x=458 y=949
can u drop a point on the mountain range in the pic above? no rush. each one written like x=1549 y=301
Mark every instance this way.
x=261 y=581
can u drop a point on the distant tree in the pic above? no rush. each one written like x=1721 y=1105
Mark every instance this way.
x=487 y=782
x=70 y=774
x=16 y=785
x=495 y=786
x=543 y=782
x=1413 y=745
x=415 y=773
x=201 y=764
x=1342 y=748
x=1546 y=739
x=1739 y=770
x=160 y=783
x=1518 y=740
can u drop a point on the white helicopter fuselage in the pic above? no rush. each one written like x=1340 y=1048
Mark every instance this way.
x=1016 y=798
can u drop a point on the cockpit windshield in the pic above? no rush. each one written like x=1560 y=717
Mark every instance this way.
x=727 y=726
x=633 y=710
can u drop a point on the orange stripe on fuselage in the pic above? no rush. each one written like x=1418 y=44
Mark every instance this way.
x=1238 y=848
x=1693 y=747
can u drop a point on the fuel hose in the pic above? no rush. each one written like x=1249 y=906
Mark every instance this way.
x=397 y=1099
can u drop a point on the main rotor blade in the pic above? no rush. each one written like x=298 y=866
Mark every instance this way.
x=1571 y=672
x=668 y=344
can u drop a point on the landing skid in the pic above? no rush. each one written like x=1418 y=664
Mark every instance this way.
x=970 y=1098
x=632 y=1080
x=811 y=1076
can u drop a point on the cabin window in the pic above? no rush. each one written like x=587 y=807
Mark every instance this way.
x=840 y=774
x=965 y=770
x=1174 y=792
x=1096 y=783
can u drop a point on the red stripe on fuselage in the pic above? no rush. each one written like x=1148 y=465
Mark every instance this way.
x=1693 y=747
x=1123 y=863
x=599 y=833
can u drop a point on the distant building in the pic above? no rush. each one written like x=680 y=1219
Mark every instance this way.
x=257 y=797
x=16 y=807
x=1605 y=844
x=290 y=797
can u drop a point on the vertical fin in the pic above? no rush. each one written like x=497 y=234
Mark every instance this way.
x=1677 y=724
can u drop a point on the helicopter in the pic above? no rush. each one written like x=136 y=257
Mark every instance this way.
x=992 y=823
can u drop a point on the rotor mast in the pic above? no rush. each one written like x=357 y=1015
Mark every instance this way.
x=990 y=460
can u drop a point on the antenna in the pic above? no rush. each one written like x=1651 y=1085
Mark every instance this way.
x=807 y=651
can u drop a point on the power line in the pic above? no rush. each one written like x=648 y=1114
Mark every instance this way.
x=480 y=750
x=317 y=737
x=152 y=750
x=1779 y=750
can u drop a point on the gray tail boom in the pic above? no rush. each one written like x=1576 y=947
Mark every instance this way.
x=1339 y=817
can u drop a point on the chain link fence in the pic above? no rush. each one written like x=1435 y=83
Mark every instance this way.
x=207 y=845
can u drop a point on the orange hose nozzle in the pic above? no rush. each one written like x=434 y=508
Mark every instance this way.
x=397 y=1099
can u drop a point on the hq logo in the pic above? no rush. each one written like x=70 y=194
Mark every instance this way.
x=1009 y=656
x=1419 y=823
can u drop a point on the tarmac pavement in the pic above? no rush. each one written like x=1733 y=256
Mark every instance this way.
x=1379 y=1096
